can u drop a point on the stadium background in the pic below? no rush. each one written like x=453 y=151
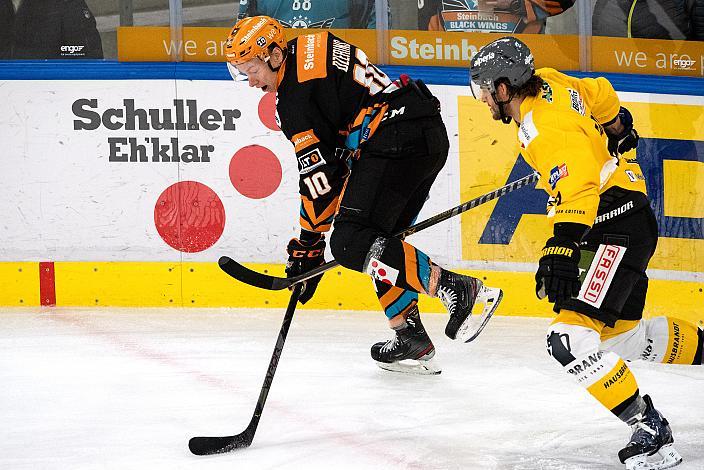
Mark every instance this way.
x=85 y=225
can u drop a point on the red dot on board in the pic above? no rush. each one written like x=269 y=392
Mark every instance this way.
x=189 y=216
x=255 y=172
x=267 y=111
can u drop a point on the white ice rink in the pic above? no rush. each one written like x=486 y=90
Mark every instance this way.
x=126 y=389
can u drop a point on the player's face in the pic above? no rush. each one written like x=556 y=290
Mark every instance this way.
x=486 y=97
x=259 y=74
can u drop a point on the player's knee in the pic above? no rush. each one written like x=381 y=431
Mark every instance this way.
x=628 y=339
x=673 y=341
x=349 y=244
x=566 y=343
x=339 y=241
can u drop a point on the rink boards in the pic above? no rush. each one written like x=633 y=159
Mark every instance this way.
x=126 y=192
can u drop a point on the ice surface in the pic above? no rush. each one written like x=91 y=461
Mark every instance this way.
x=126 y=389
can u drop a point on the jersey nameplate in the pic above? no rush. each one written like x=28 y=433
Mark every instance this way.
x=341 y=55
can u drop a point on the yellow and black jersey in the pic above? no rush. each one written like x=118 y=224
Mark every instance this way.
x=562 y=137
x=326 y=88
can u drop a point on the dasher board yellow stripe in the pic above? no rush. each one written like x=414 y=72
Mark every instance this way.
x=19 y=284
x=203 y=284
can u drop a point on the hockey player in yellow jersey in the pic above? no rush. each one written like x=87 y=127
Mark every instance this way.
x=593 y=266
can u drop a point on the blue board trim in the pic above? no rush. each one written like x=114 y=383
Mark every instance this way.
x=113 y=70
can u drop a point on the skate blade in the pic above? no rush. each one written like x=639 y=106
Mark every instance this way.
x=490 y=297
x=411 y=366
x=666 y=457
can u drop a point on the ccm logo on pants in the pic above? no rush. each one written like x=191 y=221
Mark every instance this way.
x=600 y=274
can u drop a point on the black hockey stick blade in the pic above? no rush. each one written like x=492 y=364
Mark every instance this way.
x=248 y=276
x=265 y=281
x=220 y=445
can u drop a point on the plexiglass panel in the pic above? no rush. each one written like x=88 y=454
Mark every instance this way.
x=485 y=16
x=336 y=14
x=664 y=37
x=72 y=29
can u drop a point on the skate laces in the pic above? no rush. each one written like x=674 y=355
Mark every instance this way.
x=391 y=344
x=649 y=429
x=641 y=426
x=448 y=297
x=450 y=294
x=412 y=328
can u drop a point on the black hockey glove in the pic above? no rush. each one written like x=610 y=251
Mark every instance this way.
x=558 y=274
x=627 y=139
x=304 y=255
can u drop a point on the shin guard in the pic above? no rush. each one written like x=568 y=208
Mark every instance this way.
x=397 y=263
x=604 y=374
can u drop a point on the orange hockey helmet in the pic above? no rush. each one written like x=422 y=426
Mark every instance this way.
x=251 y=37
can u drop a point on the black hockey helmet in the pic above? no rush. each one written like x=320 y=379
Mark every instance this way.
x=507 y=58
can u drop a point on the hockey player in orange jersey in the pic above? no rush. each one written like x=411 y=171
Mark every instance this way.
x=573 y=132
x=368 y=151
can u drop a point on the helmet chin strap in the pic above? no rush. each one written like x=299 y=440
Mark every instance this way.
x=284 y=52
x=504 y=118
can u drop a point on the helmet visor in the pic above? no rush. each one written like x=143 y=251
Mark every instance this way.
x=235 y=73
x=479 y=86
x=476 y=89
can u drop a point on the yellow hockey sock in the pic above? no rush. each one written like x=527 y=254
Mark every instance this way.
x=574 y=340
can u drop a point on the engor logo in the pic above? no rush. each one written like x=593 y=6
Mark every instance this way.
x=684 y=64
x=71 y=50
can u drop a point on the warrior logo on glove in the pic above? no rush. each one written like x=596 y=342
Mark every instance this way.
x=558 y=272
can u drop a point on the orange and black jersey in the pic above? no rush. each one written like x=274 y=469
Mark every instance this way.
x=326 y=89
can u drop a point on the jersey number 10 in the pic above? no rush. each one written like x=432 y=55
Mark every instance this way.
x=317 y=184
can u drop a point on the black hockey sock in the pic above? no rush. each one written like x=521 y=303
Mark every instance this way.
x=413 y=315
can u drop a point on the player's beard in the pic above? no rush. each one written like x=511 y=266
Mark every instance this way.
x=495 y=113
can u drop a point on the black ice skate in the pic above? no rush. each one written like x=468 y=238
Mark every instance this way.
x=409 y=351
x=459 y=293
x=651 y=445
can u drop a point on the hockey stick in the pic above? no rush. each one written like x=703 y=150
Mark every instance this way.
x=220 y=445
x=264 y=281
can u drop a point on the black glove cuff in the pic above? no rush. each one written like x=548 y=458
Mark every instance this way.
x=626 y=119
x=570 y=230
x=611 y=121
x=309 y=238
